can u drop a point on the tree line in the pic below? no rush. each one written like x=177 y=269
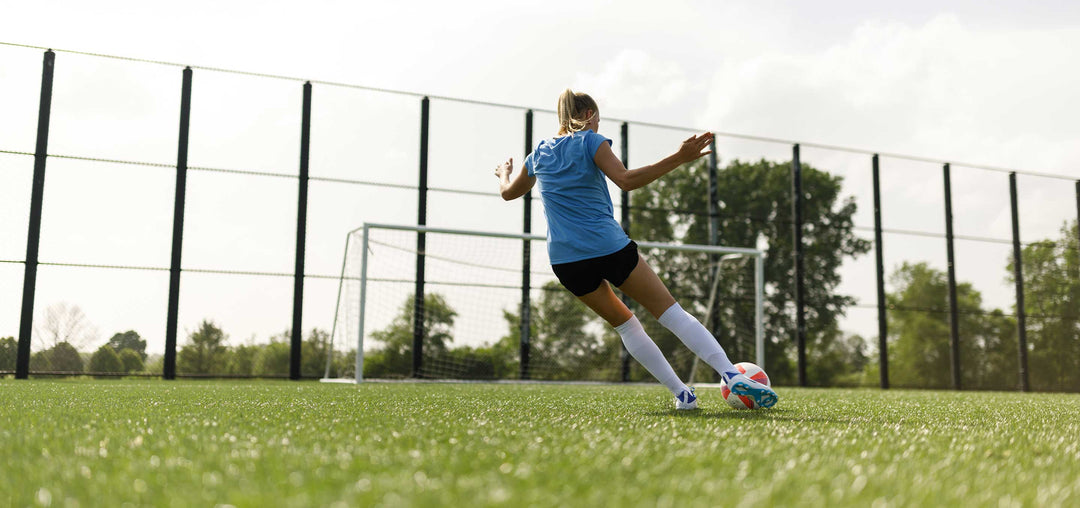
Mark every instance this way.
x=204 y=352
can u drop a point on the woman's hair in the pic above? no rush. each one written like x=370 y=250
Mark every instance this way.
x=572 y=108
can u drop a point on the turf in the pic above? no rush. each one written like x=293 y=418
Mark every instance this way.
x=205 y=443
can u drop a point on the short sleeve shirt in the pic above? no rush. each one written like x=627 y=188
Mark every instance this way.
x=580 y=216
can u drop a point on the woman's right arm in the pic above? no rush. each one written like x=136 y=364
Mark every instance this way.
x=630 y=179
x=513 y=189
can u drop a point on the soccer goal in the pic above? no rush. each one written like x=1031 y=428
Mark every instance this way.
x=490 y=308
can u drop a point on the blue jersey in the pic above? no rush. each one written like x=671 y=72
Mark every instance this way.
x=580 y=217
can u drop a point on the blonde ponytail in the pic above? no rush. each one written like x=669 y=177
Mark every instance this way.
x=572 y=108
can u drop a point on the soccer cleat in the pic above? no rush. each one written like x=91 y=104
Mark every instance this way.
x=686 y=400
x=763 y=395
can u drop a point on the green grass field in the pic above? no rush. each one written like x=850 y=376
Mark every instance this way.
x=261 y=443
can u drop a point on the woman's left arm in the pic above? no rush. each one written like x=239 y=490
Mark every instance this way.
x=513 y=189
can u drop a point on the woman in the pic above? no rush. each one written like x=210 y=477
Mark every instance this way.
x=589 y=251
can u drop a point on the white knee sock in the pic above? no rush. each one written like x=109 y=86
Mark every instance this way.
x=692 y=333
x=644 y=350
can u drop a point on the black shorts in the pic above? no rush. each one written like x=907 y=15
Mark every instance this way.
x=583 y=277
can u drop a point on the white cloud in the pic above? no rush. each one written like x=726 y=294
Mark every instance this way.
x=940 y=90
x=636 y=81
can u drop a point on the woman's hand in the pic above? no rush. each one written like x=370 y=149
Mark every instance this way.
x=519 y=186
x=503 y=170
x=691 y=149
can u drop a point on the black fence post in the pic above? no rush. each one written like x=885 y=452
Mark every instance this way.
x=1018 y=274
x=797 y=247
x=33 y=236
x=714 y=239
x=624 y=133
x=301 y=238
x=526 y=257
x=178 y=228
x=954 y=311
x=421 y=245
x=883 y=326
x=714 y=199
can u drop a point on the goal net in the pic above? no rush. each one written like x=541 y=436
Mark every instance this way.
x=473 y=323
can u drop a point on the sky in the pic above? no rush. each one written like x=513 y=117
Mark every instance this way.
x=979 y=82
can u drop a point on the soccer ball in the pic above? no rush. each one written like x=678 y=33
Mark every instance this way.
x=752 y=371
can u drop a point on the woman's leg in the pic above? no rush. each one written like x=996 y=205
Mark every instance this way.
x=608 y=306
x=646 y=288
x=604 y=302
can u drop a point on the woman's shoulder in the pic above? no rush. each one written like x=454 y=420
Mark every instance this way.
x=579 y=137
x=591 y=134
x=591 y=139
x=585 y=140
x=555 y=143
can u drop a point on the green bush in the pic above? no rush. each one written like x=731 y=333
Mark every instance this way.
x=131 y=360
x=8 y=349
x=105 y=360
x=62 y=357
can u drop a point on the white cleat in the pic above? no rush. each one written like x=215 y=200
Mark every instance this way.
x=686 y=400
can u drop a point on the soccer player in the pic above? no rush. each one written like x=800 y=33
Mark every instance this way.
x=588 y=249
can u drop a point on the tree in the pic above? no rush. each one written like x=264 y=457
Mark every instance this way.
x=8 y=349
x=755 y=209
x=154 y=364
x=842 y=359
x=204 y=353
x=242 y=359
x=64 y=322
x=62 y=357
x=105 y=360
x=919 y=330
x=131 y=360
x=1052 y=302
x=344 y=364
x=273 y=358
x=394 y=357
x=313 y=353
x=561 y=345
x=128 y=340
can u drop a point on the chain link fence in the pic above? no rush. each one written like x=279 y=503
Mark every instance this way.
x=215 y=251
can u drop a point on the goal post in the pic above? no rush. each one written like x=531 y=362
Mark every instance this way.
x=472 y=292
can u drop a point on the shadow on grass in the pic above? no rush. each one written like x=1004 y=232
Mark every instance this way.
x=774 y=414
